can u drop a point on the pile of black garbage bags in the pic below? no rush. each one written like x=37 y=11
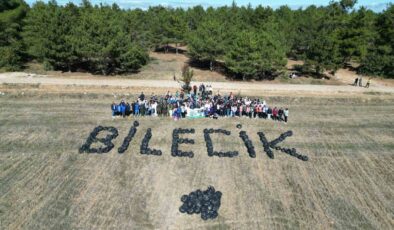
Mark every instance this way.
x=206 y=203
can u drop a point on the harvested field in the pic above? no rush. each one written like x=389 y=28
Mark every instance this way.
x=346 y=184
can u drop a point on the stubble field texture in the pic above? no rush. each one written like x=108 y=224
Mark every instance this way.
x=347 y=183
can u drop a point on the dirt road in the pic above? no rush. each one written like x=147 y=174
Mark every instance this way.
x=236 y=87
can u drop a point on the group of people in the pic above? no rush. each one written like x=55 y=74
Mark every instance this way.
x=359 y=82
x=199 y=104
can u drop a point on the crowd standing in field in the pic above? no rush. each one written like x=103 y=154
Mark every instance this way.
x=200 y=102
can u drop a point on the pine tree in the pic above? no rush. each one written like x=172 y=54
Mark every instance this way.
x=380 y=57
x=357 y=34
x=48 y=34
x=255 y=55
x=12 y=50
x=250 y=42
x=321 y=52
x=102 y=43
x=206 y=43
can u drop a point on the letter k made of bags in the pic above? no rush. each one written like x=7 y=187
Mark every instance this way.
x=269 y=145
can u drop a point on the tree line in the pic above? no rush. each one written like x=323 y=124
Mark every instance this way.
x=250 y=43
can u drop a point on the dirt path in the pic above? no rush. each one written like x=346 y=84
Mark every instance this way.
x=236 y=87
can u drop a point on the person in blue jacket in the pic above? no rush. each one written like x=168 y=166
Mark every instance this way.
x=114 y=109
x=122 y=108
x=119 y=110
x=179 y=112
x=136 y=109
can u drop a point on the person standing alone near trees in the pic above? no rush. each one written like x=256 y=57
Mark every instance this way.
x=360 y=83
x=368 y=83
x=286 y=113
x=355 y=81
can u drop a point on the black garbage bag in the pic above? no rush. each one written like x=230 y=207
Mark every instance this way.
x=128 y=138
x=106 y=141
x=248 y=144
x=209 y=144
x=144 y=147
x=205 y=203
x=176 y=141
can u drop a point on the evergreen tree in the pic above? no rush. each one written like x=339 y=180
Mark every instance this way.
x=380 y=57
x=322 y=50
x=102 y=43
x=194 y=16
x=206 y=43
x=48 y=34
x=12 y=13
x=255 y=55
x=94 y=38
x=357 y=34
x=176 y=27
x=252 y=42
x=285 y=19
x=139 y=28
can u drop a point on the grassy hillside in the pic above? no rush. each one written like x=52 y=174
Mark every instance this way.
x=346 y=184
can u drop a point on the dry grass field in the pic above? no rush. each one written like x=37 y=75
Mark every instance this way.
x=348 y=182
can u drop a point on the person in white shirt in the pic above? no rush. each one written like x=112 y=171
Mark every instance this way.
x=286 y=113
x=183 y=111
x=265 y=111
x=233 y=110
x=154 y=108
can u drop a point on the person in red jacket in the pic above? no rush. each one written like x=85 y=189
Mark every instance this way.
x=275 y=114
